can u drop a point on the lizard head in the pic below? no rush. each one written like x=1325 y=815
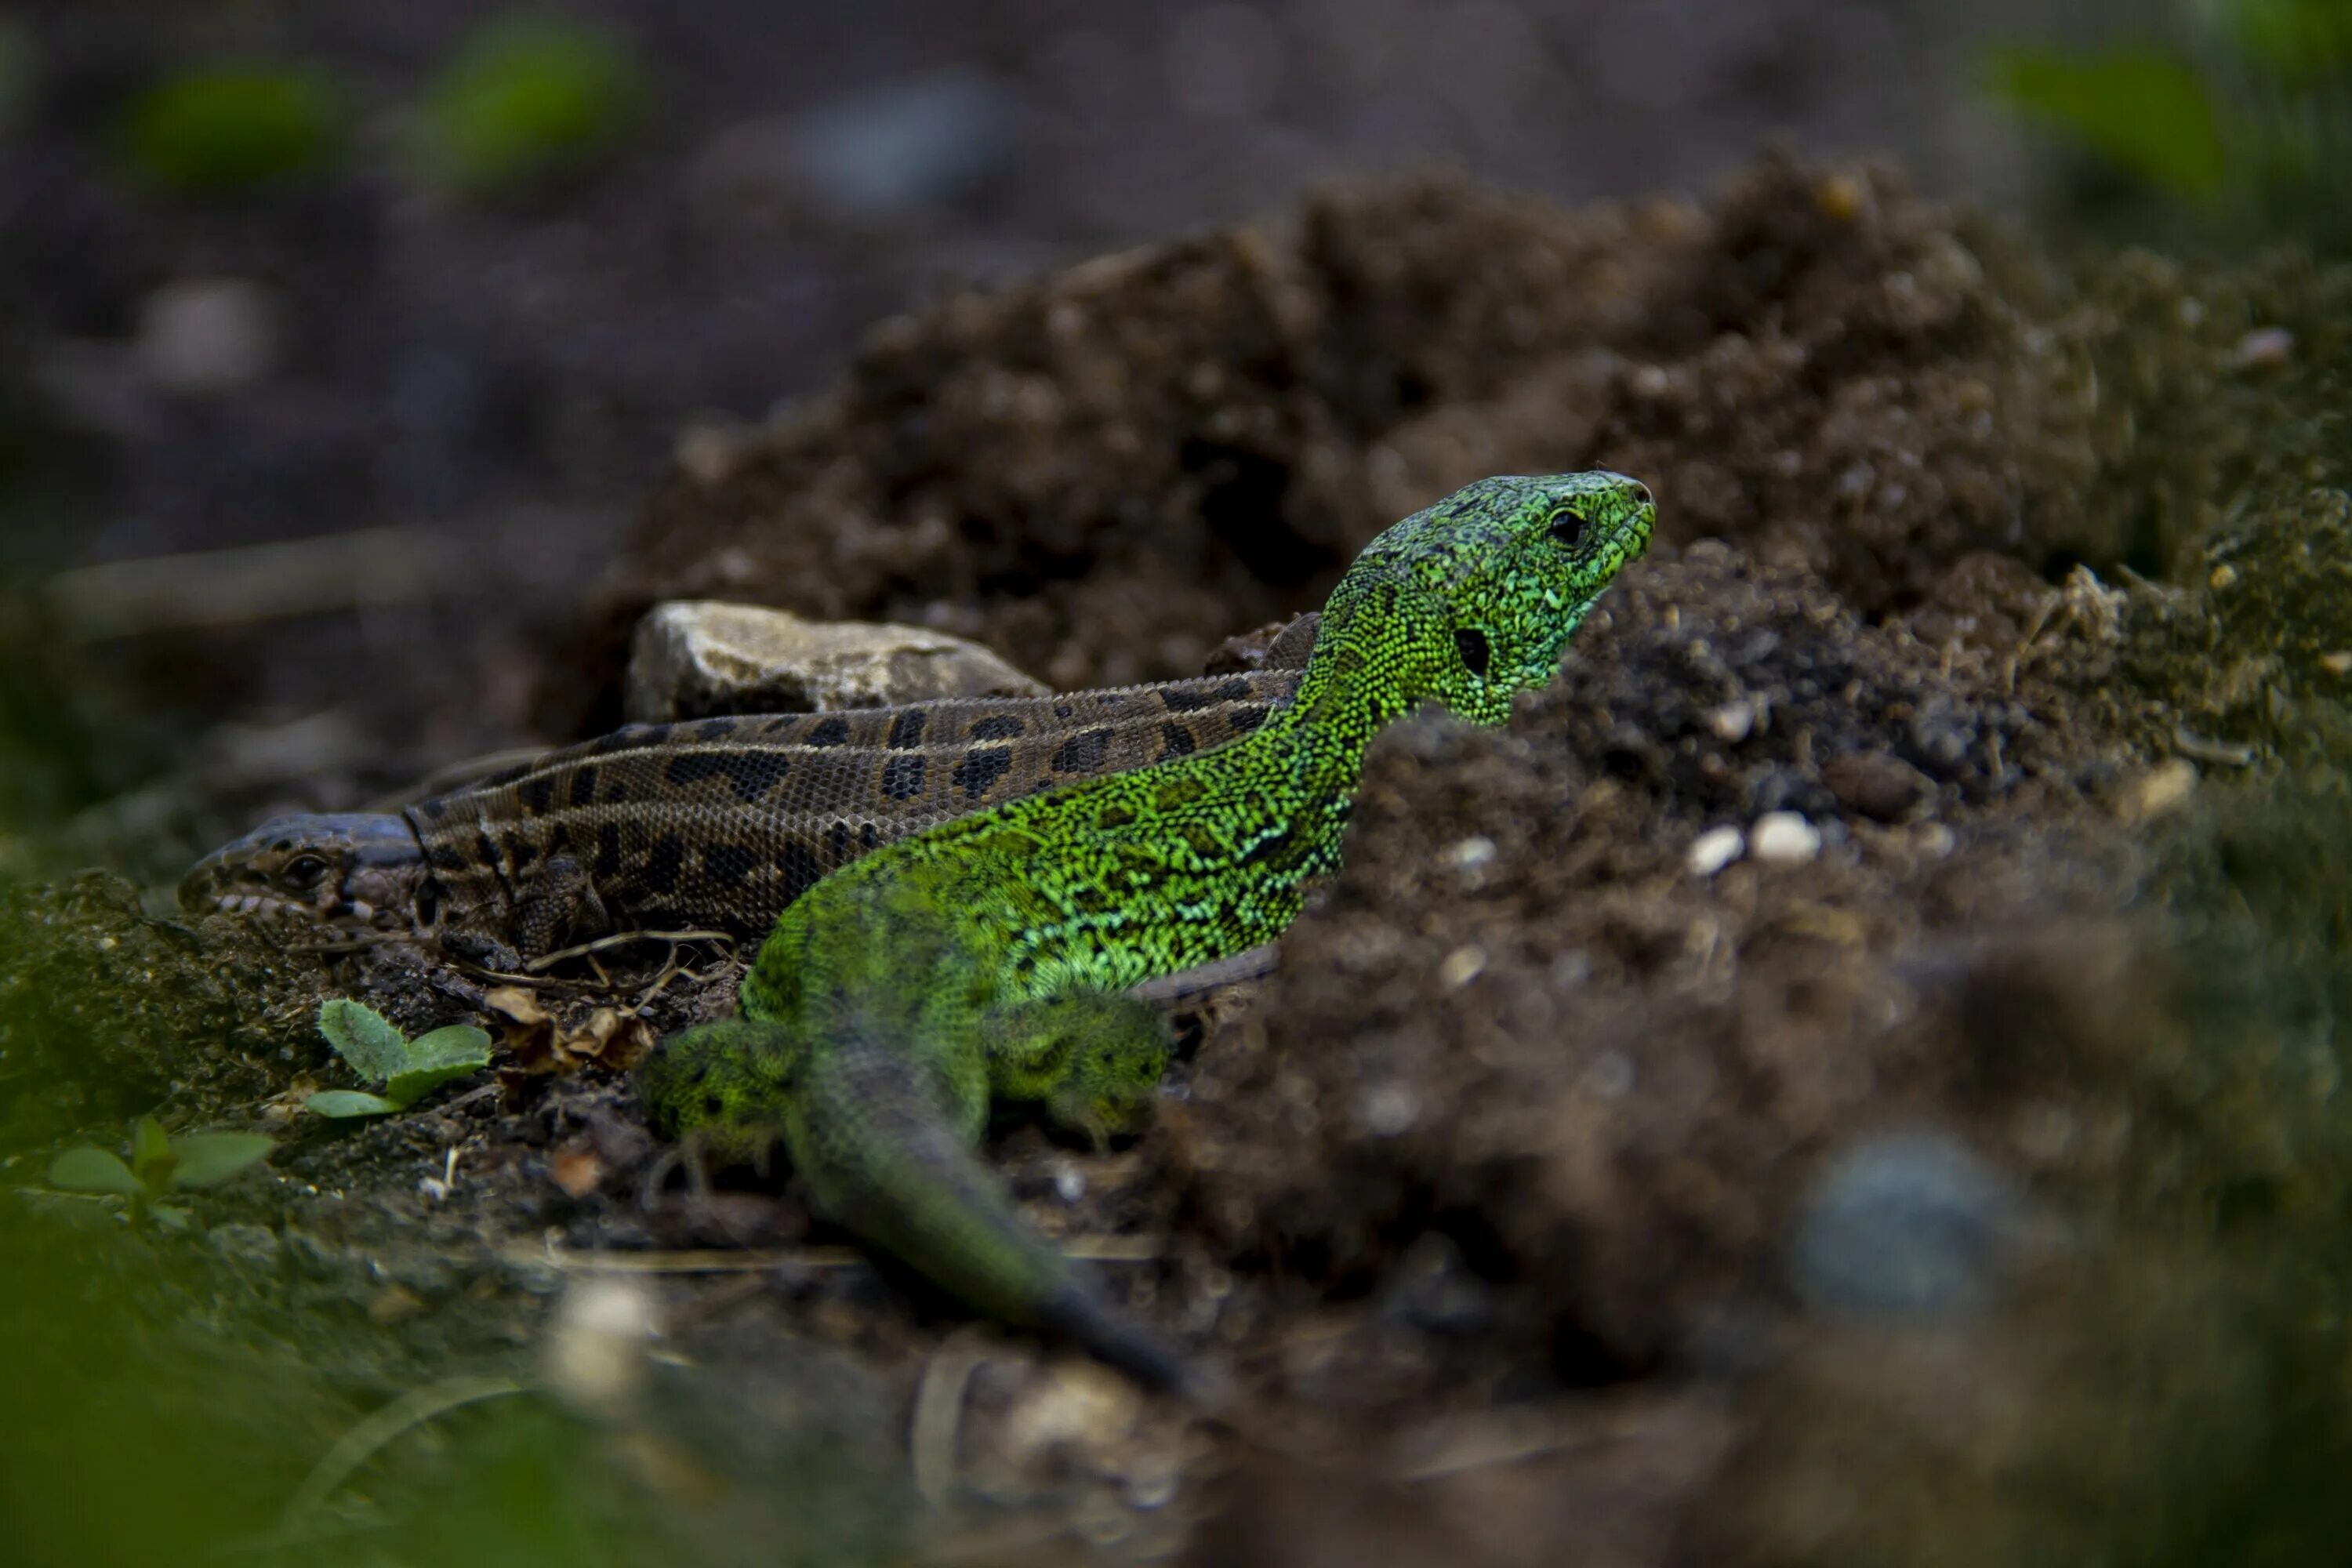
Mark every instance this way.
x=356 y=870
x=1472 y=601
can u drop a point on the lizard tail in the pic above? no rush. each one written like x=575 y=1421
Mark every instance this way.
x=884 y=1159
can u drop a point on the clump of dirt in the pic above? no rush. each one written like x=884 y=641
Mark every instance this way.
x=104 y=1010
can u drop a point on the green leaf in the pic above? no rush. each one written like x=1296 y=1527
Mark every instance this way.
x=2303 y=42
x=526 y=96
x=168 y=1218
x=89 y=1169
x=340 y=1102
x=208 y=1159
x=151 y=1158
x=2138 y=108
x=407 y=1088
x=232 y=129
x=363 y=1038
x=458 y=1045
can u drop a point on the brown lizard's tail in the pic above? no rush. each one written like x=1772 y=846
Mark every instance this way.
x=883 y=1158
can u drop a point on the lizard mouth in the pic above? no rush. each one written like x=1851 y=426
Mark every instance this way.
x=269 y=906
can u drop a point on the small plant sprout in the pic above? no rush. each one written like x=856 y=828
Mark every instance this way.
x=408 y=1069
x=159 y=1162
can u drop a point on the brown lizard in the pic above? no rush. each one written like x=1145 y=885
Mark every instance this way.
x=712 y=822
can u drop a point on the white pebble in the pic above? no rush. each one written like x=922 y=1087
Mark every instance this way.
x=1461 y=966
x=1785 y=838
x=201 y=335
x=1713 y=850
x=1472 y=854
x=1732 y=723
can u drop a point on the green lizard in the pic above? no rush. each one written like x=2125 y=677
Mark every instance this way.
x=986 y=957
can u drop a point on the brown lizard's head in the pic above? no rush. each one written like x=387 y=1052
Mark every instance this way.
x=356 y=870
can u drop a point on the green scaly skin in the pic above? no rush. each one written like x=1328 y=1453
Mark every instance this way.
x=986 y=958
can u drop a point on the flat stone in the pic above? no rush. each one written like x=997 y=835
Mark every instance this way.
x=699 y=658
x=1875 y=786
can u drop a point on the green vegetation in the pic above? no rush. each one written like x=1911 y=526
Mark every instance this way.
x=526 y=98
x=408 y=1069
x=234 y=128
x=2245 y=117
x=158 y=1164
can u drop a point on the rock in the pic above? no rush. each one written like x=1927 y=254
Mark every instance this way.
x=1713 y=850
x=694 y=659
x=1784 y=838
x=1875 y=786
x=1908 y=1225
x=208 y=335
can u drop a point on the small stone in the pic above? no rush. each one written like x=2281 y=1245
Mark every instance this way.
x=593 y=1358
x=2163 y=788
x=2221 y=577
x=1471 y=854
x=1784 y=838
x=2336 y=664
x=208 y=335
x=697 y=658
x=2264 y=348
x=1461 y=966
x=1610 y=1076
x=709 y=451
x=1732 y=723
x=1875 y=786
x=1386 y=1109
x=1713 y=850
x=1905 y=1225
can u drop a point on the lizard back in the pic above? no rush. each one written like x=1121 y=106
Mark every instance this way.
x=726 y=821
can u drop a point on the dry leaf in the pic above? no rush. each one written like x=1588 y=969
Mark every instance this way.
x=577 y=1168
x=543 y=1042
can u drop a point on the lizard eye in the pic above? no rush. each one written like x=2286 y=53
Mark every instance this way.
x=306 y=870
x=1568 y=526
x=1470 y=644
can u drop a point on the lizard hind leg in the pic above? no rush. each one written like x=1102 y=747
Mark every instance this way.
x=724 y=1090
x=1094 y=1058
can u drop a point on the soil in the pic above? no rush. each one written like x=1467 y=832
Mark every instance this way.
x=1954 y=1173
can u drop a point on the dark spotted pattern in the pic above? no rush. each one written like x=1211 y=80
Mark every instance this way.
x=799 y=869
x=1083 y=752
x=902 y=777
x=662 y=865
x=723 y=822
x=726 y=865
x=981 y=768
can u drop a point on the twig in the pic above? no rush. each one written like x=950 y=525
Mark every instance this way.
x=363 y=1442
x=623 y=939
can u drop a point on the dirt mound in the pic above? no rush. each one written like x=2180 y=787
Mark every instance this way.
x=1104 y=471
